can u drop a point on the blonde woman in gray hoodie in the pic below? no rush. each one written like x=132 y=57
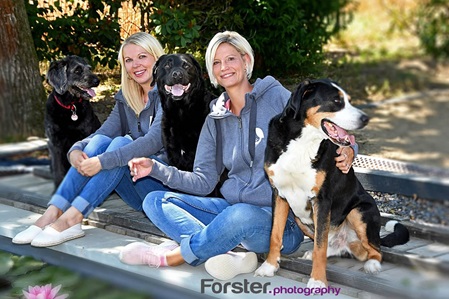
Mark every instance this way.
x=99 y=162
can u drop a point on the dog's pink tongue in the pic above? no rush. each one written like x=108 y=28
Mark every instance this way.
x=177 y=90
x=91 y=92
x=351 y=139
x=343 y=135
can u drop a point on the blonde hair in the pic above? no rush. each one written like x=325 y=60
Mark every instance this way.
x=238 y=42
x=131 y=90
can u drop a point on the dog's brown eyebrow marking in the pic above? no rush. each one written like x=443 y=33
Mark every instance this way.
x=344 y=94
x=311 y=116
x=314 y=117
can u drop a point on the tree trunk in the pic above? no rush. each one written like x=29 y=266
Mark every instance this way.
x=22 y=94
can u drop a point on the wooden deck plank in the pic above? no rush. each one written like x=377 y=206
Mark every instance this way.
x=18 y=148
x=21 y=181
x=430 y=250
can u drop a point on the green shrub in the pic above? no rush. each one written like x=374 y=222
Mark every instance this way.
x=287 y=35
x=84 y=33
x=433 y=27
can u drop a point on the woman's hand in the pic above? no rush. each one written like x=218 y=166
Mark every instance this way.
x=76 y=157
x=140 y=167
x=345 y=158
x=90 y=166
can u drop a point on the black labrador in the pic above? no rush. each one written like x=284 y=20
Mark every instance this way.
x=185 y=102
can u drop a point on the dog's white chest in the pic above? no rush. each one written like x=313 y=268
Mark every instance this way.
x=293 y=174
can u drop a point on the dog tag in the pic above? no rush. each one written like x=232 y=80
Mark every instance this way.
x=74 y=116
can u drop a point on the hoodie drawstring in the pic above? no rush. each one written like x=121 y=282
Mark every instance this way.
x=252 y=131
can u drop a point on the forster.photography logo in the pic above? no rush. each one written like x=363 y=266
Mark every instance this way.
x=255 y=287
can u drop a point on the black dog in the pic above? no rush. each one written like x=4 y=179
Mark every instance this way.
x=69 y=115
x=331 y=208
x=185 y=102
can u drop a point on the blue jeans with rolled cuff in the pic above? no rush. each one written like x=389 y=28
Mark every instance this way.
x=206 y=227
x=86 y=193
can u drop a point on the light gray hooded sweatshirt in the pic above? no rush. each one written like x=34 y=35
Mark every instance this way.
x=145 y=130
x=246 y=180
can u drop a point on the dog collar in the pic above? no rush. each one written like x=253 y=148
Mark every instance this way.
x=70 y=107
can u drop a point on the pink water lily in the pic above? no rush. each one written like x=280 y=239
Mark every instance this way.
x=43 y=292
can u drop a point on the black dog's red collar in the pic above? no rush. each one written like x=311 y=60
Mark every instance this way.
x=69 y=107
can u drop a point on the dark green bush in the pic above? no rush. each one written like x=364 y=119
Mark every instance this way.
x=84 y=33
x=433 y=27
x=287 y=35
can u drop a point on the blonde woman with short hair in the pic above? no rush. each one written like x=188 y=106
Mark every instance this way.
x=209 y=228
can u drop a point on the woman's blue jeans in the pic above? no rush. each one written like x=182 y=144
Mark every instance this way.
x=87 y=193
x=206 y=227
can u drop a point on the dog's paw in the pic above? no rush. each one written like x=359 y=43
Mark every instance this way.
x=372 y=266
x=266 y=269
x=308 y=255
x=313 y=283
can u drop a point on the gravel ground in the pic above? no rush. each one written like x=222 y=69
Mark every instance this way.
x=416 y=209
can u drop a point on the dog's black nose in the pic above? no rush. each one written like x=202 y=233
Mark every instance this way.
x=177 y=75
x=364 y=119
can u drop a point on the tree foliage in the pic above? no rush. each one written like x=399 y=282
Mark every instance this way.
x=429 y=22
x=92 y=32
x=432 y=25
x=285 y=34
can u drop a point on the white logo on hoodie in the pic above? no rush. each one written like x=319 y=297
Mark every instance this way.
x=218 y=108
x=259 y=135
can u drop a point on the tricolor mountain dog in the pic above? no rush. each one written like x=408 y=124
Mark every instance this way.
x=69 y=115
x=331 y=208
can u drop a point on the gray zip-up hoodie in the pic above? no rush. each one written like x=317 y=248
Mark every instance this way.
x=246 y=178
x=145 y=130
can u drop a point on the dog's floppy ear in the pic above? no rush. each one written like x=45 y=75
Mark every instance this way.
x=57 y=76
x=196 y=64
x=155 y=69
x=294 y=103
x=199 y=79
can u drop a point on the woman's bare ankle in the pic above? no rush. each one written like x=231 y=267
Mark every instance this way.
x=50 y=215
x=70 y=218
x=43 y=221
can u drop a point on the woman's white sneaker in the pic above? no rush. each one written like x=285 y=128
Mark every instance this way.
x=228 y=265
x=26 y=236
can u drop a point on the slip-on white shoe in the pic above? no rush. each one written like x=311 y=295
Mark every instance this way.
x=26 y=236
x=51 y=237
x=228 y=265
